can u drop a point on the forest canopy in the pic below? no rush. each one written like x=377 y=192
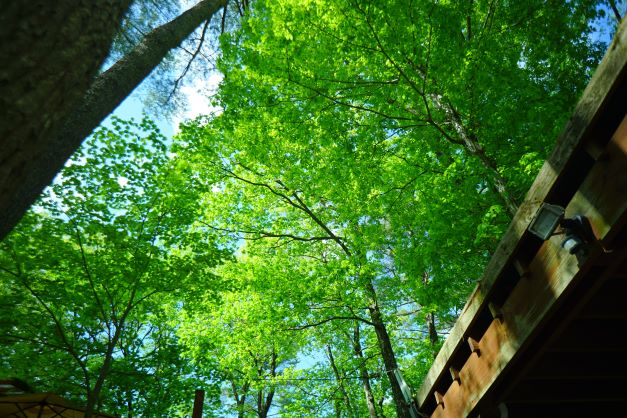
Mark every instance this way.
x=293 y=252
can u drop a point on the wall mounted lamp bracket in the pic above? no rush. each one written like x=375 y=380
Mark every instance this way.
x=577 y=230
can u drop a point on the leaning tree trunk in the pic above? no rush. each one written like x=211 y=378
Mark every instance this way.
x=264 y=404
x=31 y=168
x=387 y=352
x=364 y=376
x=473 y=147
x=340 y=384
x=50 y=53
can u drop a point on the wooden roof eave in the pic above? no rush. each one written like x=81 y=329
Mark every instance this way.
x=574 y=141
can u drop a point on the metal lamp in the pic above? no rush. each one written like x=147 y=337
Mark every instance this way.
x=577 y=230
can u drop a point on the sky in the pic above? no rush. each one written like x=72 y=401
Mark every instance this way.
x=198 y=101
x=197 y=104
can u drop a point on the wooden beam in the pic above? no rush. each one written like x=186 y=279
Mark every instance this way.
x=598 y=282
x=439 y=399
x=495 y=311
x=454 y=374
x=594 y=100
x=552 y=272
x=609 y=174
x=474 y=346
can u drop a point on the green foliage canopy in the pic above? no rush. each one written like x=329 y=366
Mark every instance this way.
x=95 y=270
x=367 y=159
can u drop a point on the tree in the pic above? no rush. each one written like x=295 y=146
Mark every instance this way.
x=96 y=268
x=39 y=88
x=255 y=200
x=27 y=171
x=368 y=157
x=426 y=75
x=242 y=341
x=392 y=152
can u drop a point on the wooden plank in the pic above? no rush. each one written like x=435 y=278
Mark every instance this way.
x=610 y=303
x=599 y=336
x=609 y=175
x=558 y=326
x=551 y=272
x=502 y=340
x=571 y=390
x=605 y=80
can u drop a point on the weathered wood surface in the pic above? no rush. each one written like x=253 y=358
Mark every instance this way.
x=550 y=274
x=595 y=97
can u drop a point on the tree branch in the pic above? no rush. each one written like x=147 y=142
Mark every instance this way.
x=90 y=279
x=296 y=202
x=189 y=63
x=324 y=321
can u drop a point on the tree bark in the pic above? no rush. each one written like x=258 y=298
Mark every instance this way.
x=129 y=404
x=31 y=170
x=240 y=400
x=430 y=319
x=617 y=14
x=472 y=145
x=363 y=372
x=93 y=398
x=50 y=53
x=340 y=384
x=263 y=405
x=387 y=352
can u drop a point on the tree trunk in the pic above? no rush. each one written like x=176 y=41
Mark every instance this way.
x=430 y=319
x=109 y=89
x=472 y=146
x=50 y=53
x=129 y=404
x=93 y=399
x=387 y=352
x=240 y=400
x=94 y=396
x=363 y=372
x=340 y=384
x=263 y=405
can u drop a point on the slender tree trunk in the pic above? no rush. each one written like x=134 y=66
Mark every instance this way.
x=129 y=404
x=617 y=14
x=263 y=405
x=430 y=318
x=363 y=372
x=93 y=398
x=380 y=403
x=433 y=333
x=50 y=52
x=340 y=384
x=472 y=146
x=387 y=352
x=107 y=91
x=240 y=399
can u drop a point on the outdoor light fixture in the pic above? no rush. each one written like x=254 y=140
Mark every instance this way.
x=546 y=221
x=577 y=230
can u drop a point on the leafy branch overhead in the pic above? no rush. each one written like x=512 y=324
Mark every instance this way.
x=294 y=251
